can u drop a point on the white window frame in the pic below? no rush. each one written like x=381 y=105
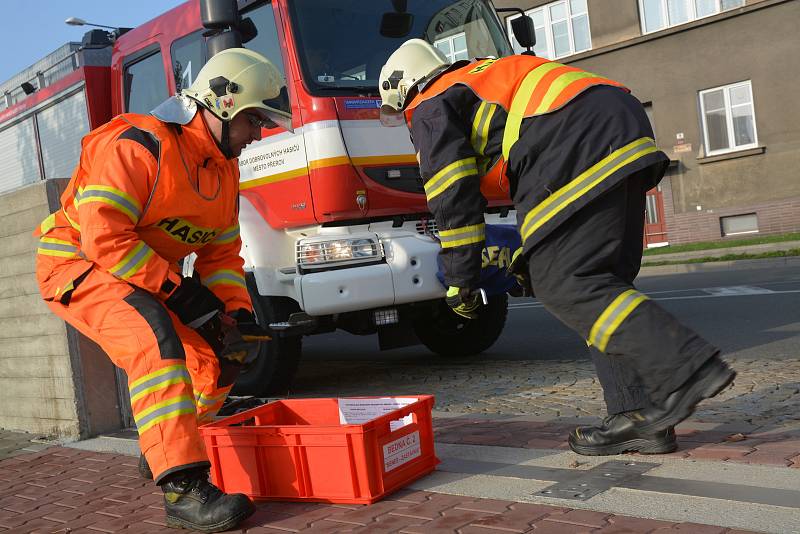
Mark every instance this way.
x=692 y=14
x=548 y=29
x=732 y=147
x=450 y=39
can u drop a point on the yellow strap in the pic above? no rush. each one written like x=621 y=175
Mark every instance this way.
x=558 y=86
x=520 y=103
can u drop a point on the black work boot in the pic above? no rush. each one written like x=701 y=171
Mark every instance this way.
x=619 y=434
x=711 y=378
x=194 y=503
x=144 y=468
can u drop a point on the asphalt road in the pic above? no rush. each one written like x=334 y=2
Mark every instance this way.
x=750 y=313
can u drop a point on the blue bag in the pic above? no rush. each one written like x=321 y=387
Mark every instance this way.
x=501 y=242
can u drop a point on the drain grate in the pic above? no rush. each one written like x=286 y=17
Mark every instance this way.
x=584 y=485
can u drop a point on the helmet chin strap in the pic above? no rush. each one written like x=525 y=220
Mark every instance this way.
x=225 y=140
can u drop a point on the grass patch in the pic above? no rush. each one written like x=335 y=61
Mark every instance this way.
x=728 y=257
x=671 y=249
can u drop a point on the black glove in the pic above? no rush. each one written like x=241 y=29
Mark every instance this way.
x=463 y=301
x=194 y=303
x=241 y=337
x=519 y=270
x=248 y=328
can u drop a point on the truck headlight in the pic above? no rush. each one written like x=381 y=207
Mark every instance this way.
x=326 y=252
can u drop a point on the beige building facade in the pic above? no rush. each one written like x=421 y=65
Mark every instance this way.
x=719 y=79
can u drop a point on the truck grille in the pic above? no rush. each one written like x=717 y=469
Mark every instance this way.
x=428 y=227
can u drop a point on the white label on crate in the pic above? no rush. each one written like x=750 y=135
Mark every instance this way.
x=401 y=451
x=359 y=411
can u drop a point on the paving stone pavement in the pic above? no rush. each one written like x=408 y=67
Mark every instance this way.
x=766 y=393
x=61 y=490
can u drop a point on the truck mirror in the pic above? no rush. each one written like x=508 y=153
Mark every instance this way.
x=219 y=14
x=248 y=30
x=522 y=28
x=396 y=25
x=223 y=41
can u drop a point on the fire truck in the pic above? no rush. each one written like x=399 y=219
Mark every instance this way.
x=334 y=223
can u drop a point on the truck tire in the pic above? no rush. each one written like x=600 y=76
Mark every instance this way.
x=447 y=334
x=272 y=372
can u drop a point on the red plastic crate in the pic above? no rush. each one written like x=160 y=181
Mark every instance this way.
x=297 y=450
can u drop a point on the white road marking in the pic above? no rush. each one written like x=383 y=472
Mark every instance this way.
x=711 y=292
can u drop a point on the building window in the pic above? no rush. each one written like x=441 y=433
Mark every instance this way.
x=729 y=121
x=562 y=29
x=453 y=46
x=659 y=14
x=739 y=224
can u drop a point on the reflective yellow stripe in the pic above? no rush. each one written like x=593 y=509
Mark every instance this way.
x=208 y=401
x=558 y=86
x=48 y=224
x=50 y=246
x=133 y=261
x=229 y=235
x=113 y=197
x=480 y=127
x=168 y=409
x=225 y=276
x=70 y=221
x=164 y=370
x=584 y=183
x=616 y=312
x=465 y=235
x=520 y=103
x=449 y=175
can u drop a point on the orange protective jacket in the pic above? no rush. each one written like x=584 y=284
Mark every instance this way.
x=145 y=195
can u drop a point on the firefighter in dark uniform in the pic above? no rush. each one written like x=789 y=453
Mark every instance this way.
x=576 y=153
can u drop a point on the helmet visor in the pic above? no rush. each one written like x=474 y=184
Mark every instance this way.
x=281 y=118
x=392 y=117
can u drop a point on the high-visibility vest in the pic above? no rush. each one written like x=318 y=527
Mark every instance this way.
x=524 y=86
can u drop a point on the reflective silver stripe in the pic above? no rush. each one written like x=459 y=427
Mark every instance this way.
x=56 y=246
x=449 y=175
x=224 y=277
x=178 y=372
x=230 y=235
x=122 y=270
x=89 y=193
x=581 y=185
x=210 y=401
x=465 y=235
x=180 y=404
x=612 y=317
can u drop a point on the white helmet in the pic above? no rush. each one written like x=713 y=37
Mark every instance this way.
x=236 y=79
x=413 y=63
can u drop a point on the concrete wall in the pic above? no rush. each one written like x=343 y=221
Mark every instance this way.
x=668 y=68
x=53 y=381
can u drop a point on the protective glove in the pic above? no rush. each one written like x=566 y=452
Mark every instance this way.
x=241 y=336
x=464 y=301
x=519 y=270
x=194 y=303
x=234 y=338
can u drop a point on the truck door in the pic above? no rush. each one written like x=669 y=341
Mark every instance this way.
x=274 y=171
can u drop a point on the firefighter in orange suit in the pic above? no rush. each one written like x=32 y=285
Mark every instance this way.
x=576 y=153
x=148 y=191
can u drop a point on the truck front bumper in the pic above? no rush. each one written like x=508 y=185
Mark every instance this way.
x=408 y=275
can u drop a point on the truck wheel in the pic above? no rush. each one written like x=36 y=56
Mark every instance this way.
x=448 y=334
x=272 y=372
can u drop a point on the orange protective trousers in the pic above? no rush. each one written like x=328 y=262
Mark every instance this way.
x=175 y=380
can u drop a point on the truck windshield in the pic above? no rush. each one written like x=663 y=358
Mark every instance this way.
x=341 y=45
